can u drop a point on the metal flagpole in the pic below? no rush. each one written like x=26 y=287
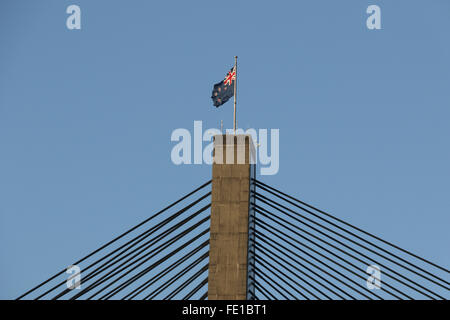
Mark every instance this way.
x=235 y=92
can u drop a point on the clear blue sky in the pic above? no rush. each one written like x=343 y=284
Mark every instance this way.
x=86 y=116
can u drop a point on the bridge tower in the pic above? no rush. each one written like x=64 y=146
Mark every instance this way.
x=231 y=257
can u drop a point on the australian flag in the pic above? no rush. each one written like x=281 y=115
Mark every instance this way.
x=224 y=90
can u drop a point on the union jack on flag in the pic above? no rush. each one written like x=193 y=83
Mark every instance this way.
x=224 y=90
x=230 y=77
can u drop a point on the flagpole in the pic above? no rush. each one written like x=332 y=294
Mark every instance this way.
x=235 y=92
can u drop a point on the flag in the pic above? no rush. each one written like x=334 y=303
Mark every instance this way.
x=224 y=90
